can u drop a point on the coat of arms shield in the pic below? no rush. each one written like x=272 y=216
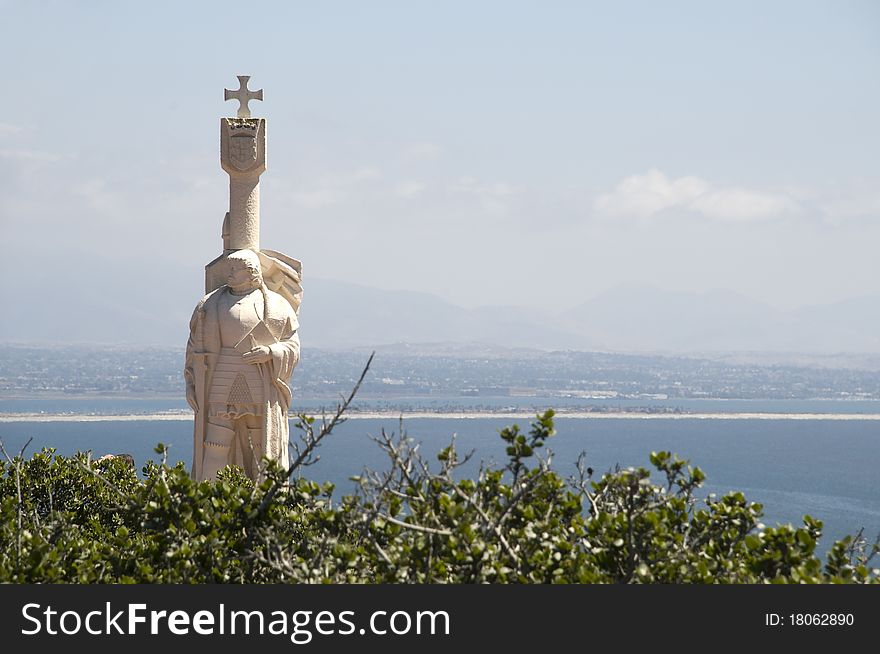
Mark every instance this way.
x=243 y=151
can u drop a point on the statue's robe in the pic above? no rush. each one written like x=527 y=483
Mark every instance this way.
x=233 y=392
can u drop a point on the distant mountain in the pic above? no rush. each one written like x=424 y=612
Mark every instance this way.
x=848 y=326
x=107 y=307
x=638 y=318
x=340 y=314
x=343 y=315
x=628 y=318
x=643 y=318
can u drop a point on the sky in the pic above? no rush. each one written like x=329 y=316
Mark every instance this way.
x=533 y=154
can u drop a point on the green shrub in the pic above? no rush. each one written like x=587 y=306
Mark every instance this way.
x=71 y=519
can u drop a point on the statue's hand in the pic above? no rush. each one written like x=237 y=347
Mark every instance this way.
x=260 y=354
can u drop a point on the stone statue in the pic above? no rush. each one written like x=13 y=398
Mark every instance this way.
x=243 y=341
x=242 y=349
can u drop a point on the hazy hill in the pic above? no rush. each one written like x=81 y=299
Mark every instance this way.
x=851 y=325
x=643 y=318
x=340 y=314
x=343 y=315
x=631 y=318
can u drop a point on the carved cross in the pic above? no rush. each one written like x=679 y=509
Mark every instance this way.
x=243 y=95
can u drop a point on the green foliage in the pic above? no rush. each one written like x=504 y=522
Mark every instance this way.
x=81 y=521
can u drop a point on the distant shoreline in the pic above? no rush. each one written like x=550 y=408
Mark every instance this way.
x=464 y=415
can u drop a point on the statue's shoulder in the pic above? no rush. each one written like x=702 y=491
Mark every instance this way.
x=210 y=297
x=280 y=304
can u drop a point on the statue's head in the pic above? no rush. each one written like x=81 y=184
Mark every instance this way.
x=244 y=270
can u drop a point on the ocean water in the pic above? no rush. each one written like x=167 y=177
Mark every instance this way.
x=829 y=469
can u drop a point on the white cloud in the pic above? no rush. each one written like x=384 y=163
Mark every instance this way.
x=99 y=195
x=366 y=173
x=644 y=196
x=734 y=204
x=409 y=189
x=424 y=150
x=318 y=198
x=335 y=188
x=29 y=155
x=473 y=186
x=858 y=201
x=492 y=197
x=10 y=130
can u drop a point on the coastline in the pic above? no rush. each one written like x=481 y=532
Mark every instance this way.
x=465 y=415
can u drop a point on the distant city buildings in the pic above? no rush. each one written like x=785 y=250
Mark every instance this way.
x=574 y=377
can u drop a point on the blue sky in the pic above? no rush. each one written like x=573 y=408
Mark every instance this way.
x=523 y=153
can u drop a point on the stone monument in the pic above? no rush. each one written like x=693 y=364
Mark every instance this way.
x=243 y=341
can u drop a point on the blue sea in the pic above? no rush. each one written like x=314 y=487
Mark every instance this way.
x=829 y=469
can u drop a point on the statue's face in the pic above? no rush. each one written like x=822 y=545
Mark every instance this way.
x=240 y=274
